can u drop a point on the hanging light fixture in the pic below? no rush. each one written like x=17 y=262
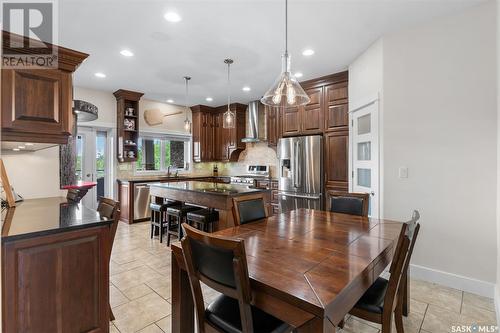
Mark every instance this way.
x=229 y=116
x=286 y=90
x=187 y=122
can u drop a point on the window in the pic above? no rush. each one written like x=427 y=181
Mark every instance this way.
x=157 y=153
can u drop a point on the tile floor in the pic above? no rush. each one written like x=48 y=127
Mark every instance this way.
x=140 y=293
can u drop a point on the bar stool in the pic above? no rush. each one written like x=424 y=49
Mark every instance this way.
x=179 y=214
x=203 y=219
x=158 y=216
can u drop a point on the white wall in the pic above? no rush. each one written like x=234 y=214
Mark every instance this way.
x=439 y=120
x=497 y=289
x=34 y=175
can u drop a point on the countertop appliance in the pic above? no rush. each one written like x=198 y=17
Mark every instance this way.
x=141 y=201
x=300 y=171
x=254 y=172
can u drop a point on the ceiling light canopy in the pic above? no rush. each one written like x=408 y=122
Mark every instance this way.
x=286 y=90
x=100 y=75
x=126 y=53
x=308 y=52
x=172 y=17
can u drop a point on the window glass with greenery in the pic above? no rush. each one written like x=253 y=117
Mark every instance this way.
x=157 y=153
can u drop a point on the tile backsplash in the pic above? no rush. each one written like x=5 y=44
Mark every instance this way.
x=255 y=153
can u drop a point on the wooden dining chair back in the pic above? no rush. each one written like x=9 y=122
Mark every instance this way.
x=249 y=208
x=349 y=203
x=110 y=209
x=221 y=264
x=385 y=297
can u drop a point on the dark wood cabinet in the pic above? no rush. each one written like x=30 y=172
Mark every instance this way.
x=273 y=128
x=37 y=104
x=336 y=160
x=57 y=283
x=336 y=100
x=127 y=111
x=211 y=141
x=305 y=120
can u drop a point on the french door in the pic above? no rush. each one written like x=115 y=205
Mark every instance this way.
x=365 y=153
x=92 y=163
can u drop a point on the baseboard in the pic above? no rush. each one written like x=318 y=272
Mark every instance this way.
x=497 y=303
x=455 y=281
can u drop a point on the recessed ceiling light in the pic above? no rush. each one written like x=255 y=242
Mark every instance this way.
x=126 y=53
x=170 y=100
x=172 y=17
x=298 y=74
x=246 y=88
x=29 y=144
x=101 y=75
x=15 y=149
x=308 y=52
x=209 y=99
x=21 y=147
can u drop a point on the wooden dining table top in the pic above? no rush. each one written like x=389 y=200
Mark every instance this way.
x=321 y=262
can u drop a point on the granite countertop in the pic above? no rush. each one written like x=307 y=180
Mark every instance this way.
x=209 y=187
x=38 y=217
x=159 y=178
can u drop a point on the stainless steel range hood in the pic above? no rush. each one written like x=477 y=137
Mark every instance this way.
x=256 y=124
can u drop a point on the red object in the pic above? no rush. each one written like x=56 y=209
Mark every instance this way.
x=80 y=186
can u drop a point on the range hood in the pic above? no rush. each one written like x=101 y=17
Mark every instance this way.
x=256 y=124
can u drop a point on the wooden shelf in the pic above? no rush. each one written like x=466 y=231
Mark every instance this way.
x=127 y=99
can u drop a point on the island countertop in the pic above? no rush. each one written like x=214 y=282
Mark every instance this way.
x=230 y=190
x=38 y=217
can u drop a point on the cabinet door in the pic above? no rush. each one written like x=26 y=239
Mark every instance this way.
x=273 y=134
x=336 y=113
x=290 y=121
x=312 y=113
x=336 y=159
x=196 y=129
x=36 y=105
x=206 y=137
x=217 y=137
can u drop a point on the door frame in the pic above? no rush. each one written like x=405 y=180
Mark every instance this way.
x=363 y=103
x=109 y=186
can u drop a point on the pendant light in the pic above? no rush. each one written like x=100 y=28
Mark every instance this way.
x=229 y=116
x=187 y=123
x=286 y=90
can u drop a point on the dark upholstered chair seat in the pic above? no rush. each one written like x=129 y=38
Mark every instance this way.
x=203 y=215
x=373 y=299
x=163 y=207
x=181 y=210
x=224 y=313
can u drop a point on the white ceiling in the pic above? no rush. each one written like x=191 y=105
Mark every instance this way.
x=250 y=32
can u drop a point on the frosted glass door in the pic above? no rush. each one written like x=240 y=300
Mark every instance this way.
x=364 y=154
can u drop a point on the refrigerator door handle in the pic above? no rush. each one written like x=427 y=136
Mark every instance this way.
x=296 y=178
x=312 y=197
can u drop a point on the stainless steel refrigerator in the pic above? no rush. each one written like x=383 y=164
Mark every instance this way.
x=300 y=172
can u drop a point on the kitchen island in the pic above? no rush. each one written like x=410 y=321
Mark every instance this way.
x=55 y=267
x=207 y=194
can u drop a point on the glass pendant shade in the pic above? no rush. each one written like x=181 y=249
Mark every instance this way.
x=187 y=125
x=229 y=119
x=286 y=90
x=187 y=122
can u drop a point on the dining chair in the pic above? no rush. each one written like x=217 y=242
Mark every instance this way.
x=249 y=208
x=110 y=209
x=221 y=264
x=385 y=297
x=349 y=203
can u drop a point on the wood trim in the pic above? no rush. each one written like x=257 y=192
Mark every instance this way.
x=6 y=185
x=128 y=94
x=325 y=80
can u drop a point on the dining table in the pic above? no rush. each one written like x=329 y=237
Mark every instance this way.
x=306 y=267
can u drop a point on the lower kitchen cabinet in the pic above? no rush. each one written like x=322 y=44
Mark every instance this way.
x=57 y=283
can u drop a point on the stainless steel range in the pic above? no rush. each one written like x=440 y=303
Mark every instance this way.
x=254 y=172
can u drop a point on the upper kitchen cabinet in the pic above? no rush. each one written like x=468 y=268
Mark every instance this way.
x=305 y=120
x=336 y=100
x=211 y=141
x=37 y=104
x=273 y=126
